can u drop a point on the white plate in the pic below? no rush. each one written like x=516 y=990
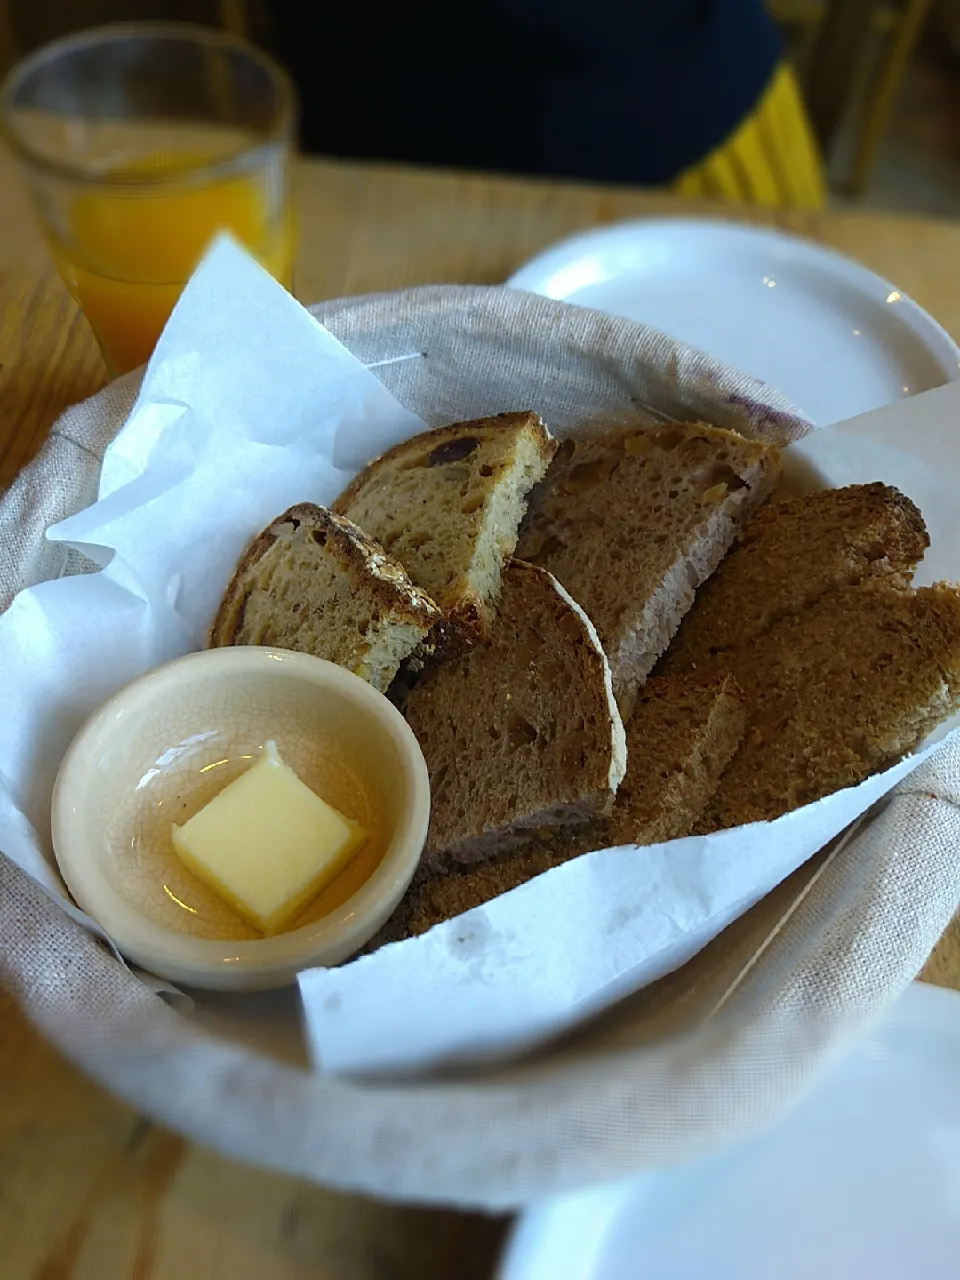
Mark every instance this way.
x=862 y=1179
x=830 y=335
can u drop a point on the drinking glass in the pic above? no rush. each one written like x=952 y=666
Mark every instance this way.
x=139 y=143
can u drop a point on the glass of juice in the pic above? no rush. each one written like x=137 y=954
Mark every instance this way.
x=139 y=143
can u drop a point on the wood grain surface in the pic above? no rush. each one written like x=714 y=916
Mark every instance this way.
x=88 y=1189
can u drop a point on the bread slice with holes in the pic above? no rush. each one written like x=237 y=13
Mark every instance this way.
x=843 y=666
x=679 y=740
x=791 y=554
x=837 y=692
x=520 y=731
x=633 y=521
x=447 y=505
x=314 y=582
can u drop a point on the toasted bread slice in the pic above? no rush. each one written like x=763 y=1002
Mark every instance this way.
x=678 y=742
x=837 y=692
x=680 y=739
x=633 y=521
x=448 y=503
x=314 y=582
x=520 y=730
x=790 y=555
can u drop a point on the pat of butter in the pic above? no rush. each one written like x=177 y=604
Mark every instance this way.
x=267 y=844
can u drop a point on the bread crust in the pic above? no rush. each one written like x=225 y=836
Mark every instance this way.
x=387 y=582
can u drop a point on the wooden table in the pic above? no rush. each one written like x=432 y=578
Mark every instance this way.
x=88 y=1189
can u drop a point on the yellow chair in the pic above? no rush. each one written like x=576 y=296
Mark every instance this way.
x=841 y=35
x=770 y=159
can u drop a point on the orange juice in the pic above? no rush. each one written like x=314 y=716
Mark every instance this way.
x=132 y=248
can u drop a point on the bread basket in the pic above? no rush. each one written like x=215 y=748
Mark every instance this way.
x=706 y=1054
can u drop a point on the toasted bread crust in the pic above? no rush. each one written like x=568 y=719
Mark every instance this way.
x=387 y=582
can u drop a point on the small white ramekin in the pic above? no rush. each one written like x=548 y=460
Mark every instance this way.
x=164 y=745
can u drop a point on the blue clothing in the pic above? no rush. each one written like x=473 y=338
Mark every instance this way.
x=608 y=90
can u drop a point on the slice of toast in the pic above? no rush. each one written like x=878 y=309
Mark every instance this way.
x=520 y=731
x=680 y=739
x=633 y=521
x=837 y=692
x=790 y=555
x=448 y=503
x=314 y=582
x=678 y=742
